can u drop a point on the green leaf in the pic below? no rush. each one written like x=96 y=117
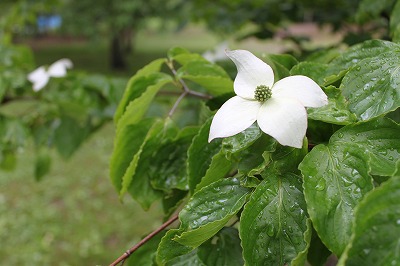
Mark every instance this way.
x=138 y=84
x=127 y=144
x=358 y=52
x=379 y=138
x=138 y=107
x=274 y=222
x=372 y=86
x=335 y=112
x=281 y=64
x=219 y=168
x=137 y=177
x=191 y=259
x=200 y=155
x=315 y=71
x=169 y=249
x=42 y=163
x=395 y=23
x=168 y=168
x=370 y=9
x=242 y=140
x=209 y=209
x=211 y=77
x=144 y=256
x=183 y=56
x=318 y=253
x=223 y=249
x=69 y=135
x=335 y=180
x=376 y=231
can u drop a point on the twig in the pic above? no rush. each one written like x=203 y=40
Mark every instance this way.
x=124 y=256
x=186 y=90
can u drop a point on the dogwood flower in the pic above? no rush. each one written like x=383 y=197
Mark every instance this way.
x=278 y=108
x=40 y=76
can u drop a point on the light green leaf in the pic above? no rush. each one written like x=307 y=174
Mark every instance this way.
x=273 y=223
x=138 y=107
x=169 y=249
x=137 y=85
x=376 y=232
x=127 y=144
x=211 y=77
x=372 y=86
x=335 y=112
x=209 y=209
x=200 y=154
x=219 y=168
x=223 y=249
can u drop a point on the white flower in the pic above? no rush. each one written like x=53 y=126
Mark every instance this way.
x=216 y=54
x=278 y=108
x=40 y=76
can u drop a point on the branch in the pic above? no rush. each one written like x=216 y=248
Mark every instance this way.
x=124 y=256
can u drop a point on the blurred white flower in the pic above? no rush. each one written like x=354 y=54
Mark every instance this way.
x=278 y=108
x=216 y=54
x=40 y=76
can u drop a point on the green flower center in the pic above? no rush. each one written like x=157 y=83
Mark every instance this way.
x=262 y=93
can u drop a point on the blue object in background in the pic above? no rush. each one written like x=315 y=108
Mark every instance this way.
x=46 y=23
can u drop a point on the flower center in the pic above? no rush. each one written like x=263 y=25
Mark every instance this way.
x=262 y=93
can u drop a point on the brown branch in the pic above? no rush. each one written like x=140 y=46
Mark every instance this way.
x=124 y=256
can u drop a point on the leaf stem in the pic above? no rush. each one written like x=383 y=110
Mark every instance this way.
x=129 y=252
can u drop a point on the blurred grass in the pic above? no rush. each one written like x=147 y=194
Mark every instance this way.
x=73 y=216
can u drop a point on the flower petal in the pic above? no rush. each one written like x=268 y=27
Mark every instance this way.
x=252 y=72
x=300 y=88
x=285 y=120
x=39 y=78
x=59 y=68
x=234 y=116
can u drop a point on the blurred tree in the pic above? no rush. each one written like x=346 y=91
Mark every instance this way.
x=119 y=20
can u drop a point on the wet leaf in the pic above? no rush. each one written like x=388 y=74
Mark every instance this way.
x=376 y=231
x=273 y=223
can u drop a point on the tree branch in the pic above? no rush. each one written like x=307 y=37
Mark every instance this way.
x=124 y=256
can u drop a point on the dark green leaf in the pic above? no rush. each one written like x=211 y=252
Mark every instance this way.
x=223 y=249
x=372 y=86
x=395 y=23
x=336 y=112
x=281 y=64
x=315 y=71
x=318 y=253
x=169 y=249
x=168 y=166
x=273 y=223
x=144 y=256
x=376 y=231
x=42 y=163
x=242 y=140
x=209 y=209
x=200 y=154
x=370 y=9
x=69 y=135
x=191 y=259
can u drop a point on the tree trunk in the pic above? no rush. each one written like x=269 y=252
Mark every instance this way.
x=118 y=60
x=121 y=47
